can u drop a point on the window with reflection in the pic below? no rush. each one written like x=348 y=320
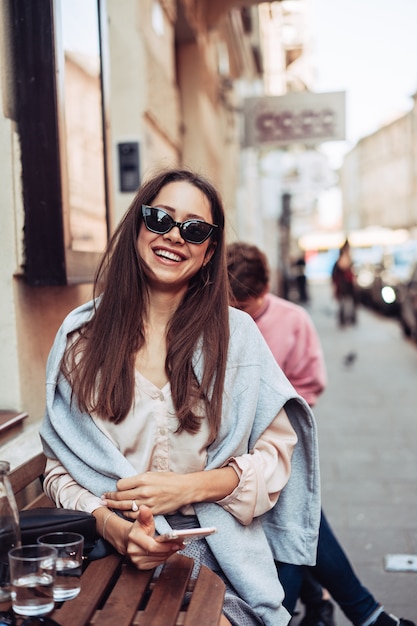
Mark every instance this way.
x=59 y=108
x=85 y=198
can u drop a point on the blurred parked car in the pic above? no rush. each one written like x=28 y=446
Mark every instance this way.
x=389 y=276
x=366 y=262
x=408 y=305
x=365 y=276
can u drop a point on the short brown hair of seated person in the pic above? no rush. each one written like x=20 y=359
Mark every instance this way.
x=248 y=271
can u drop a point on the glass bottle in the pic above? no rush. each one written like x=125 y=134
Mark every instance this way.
x=9 y=528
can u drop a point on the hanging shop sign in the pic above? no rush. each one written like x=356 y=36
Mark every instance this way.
x=295 y=118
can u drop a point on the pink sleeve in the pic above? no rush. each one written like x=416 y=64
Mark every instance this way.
x=65 y=492
x=263 y=472
x=304 y=364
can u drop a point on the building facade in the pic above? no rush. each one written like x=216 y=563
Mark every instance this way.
x=379 y=177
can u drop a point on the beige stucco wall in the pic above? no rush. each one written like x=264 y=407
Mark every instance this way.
x=144 y=102
x=387 y=155
x=126 y=88
x=210 y=139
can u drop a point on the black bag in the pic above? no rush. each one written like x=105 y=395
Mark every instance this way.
x=37 y=522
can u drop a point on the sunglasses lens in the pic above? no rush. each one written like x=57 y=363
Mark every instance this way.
x=157 y=220
x=195 y=231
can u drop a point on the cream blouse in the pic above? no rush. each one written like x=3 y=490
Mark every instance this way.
x=148 y=439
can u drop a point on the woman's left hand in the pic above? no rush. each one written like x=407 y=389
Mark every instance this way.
x=162 y=492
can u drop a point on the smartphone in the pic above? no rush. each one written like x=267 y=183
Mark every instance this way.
x=186 y=535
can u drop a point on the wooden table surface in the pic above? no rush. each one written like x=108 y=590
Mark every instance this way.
x=115 y=593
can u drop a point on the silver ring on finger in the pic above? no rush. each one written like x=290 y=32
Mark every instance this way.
x=135 y=507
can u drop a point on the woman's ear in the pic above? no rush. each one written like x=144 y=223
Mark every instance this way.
x=209 y=252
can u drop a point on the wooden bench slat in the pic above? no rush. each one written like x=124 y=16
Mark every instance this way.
x=41 y=501
x=94 y=584
x=26 y=473
x=125 y=598
x=167 y=596
x=11 y=418
x=206 y=602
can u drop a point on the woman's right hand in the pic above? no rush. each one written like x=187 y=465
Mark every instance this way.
x=142 y=548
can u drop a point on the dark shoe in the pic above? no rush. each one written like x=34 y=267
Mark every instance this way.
x=320 y=614
x=385 y=619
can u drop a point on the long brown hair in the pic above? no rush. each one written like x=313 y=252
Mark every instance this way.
x=101 y=362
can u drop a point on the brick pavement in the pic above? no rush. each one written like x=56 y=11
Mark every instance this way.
x=368 y=447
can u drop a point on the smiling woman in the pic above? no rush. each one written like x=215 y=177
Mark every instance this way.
x=155 y=382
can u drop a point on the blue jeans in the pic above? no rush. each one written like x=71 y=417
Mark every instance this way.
x=332 y=571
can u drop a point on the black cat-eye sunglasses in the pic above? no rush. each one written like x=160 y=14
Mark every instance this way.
x=159 y=221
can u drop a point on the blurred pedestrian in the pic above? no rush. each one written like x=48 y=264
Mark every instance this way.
x=294 y=342
x=300 y=277
x=344 y=285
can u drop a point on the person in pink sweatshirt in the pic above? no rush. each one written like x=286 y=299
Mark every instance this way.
x=292 y=338
x=295 y=344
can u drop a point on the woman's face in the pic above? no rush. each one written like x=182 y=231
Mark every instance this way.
x=172 y=261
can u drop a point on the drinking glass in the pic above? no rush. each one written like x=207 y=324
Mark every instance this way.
x=69 y=563
x=32 y=575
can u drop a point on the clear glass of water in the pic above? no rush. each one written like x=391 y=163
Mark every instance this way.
x=32 y=575
x=69 y=547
